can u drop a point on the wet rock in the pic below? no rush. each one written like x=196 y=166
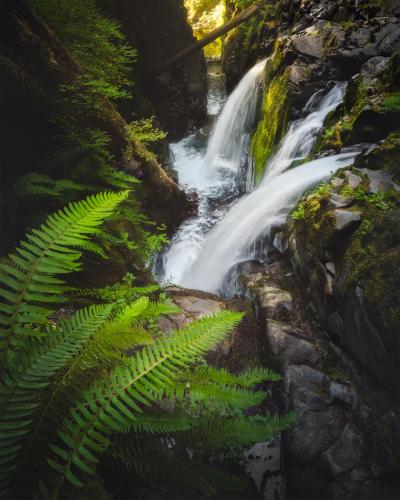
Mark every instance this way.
x=276 y=303
x=345 y=219
x=310 y=44
x=346 y=453
x=315 y=432
x=338 y=201
x=353 y=180
x=285 y=343
x=336 y=182
x=379 y=181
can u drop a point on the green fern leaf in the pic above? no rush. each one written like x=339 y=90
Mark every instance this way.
x=23 y=384
x=137 y=383
x=45 y=252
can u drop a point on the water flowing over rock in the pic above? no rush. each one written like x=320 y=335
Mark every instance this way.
x=255 y=215
x=217 y=172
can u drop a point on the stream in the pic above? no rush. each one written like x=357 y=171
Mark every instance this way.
x=235 y=219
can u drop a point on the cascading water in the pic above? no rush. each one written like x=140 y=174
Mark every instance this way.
x=217 y=174
x=233 y=239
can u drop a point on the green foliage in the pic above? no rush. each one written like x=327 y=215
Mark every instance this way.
x=310 y=201
x=380 y=199
x=69 y=386
x=110 y=406
x=392 y=102
x=95 y=41
x=144 y=131
x=28 y=283
x=299 y=213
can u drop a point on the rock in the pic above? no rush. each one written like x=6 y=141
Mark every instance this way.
x=290 y=349
x=344 y=219
x=338 y=201
x=309 y=43
x=315 y=431
x=353 y=180
x=379 y=181
x=331 y=268
x=346 y=453
x=275 y=302
x=304 y=376
x=336 y=182
x=342 y=393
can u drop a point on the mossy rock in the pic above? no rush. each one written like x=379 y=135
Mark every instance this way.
x=373 y=261
x=385 y=157
x=273 y=123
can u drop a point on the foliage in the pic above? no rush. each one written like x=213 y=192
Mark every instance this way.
x=144 y=131
x=29 y=280
x=95 y=41
x=69 y=386
x=309 y=201
x=380 y=199
x=205 y=16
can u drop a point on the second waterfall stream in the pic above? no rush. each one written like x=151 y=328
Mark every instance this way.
x=230 y=219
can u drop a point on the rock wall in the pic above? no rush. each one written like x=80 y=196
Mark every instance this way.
x=343 y=445
x=330 y=308
x=159 y=30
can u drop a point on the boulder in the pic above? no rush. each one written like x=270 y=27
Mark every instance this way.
x=345 y=219
x=286 y=343
x=346 y=453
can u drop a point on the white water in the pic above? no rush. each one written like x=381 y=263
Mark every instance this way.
x=206 y=248
x=217 y=173
x=231 y=241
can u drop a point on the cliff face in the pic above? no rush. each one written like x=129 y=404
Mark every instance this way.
x=343 y=244
x=159 y=30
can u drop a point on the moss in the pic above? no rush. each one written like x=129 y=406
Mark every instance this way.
x=385 y=157
x=273 y=122
x=392 y=101
x=373 y=261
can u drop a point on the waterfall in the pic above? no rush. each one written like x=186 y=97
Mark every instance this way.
x=216 y=172
x=232 y=240
x=227 y=144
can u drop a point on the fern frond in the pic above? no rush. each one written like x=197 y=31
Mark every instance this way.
x=161 y=423
x=246 y=379
x=23 y=384
x=158 y=461
x=217 y=434
x=111 y=406
x=157 y=309
x=217 y=397
x=29 y=288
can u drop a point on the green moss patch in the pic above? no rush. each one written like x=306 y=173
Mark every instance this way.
x=373 y=261
x=273 y=123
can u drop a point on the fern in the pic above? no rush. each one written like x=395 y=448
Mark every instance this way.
x=30 y=287
x=111 y=406
x=24 y=382
x=157 y=461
